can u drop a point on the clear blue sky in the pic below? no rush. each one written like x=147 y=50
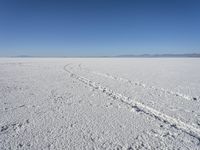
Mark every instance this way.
x=98 y=27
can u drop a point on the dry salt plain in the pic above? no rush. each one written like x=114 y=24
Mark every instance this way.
x=99 y=103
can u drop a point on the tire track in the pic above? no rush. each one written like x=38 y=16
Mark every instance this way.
x=141 y=84
x=175 y=123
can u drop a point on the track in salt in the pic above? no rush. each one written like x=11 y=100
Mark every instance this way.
x=141 y=84
x=173 y=122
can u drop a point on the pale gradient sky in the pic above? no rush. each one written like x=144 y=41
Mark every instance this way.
x=98 y=27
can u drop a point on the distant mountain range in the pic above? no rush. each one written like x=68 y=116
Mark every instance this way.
x=196 y=55
x=161 y=55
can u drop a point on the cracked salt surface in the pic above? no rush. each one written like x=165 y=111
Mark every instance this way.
x=99 y=103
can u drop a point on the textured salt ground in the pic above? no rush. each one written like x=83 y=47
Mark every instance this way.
x=44 y=107
x=179 y=75
x=183 y=109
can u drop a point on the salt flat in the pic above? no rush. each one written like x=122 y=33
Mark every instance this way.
x=99 y=103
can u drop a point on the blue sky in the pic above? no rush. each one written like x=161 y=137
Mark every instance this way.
x=98 y=27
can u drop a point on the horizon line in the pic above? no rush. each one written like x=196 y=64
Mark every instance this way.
x=110 y=56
